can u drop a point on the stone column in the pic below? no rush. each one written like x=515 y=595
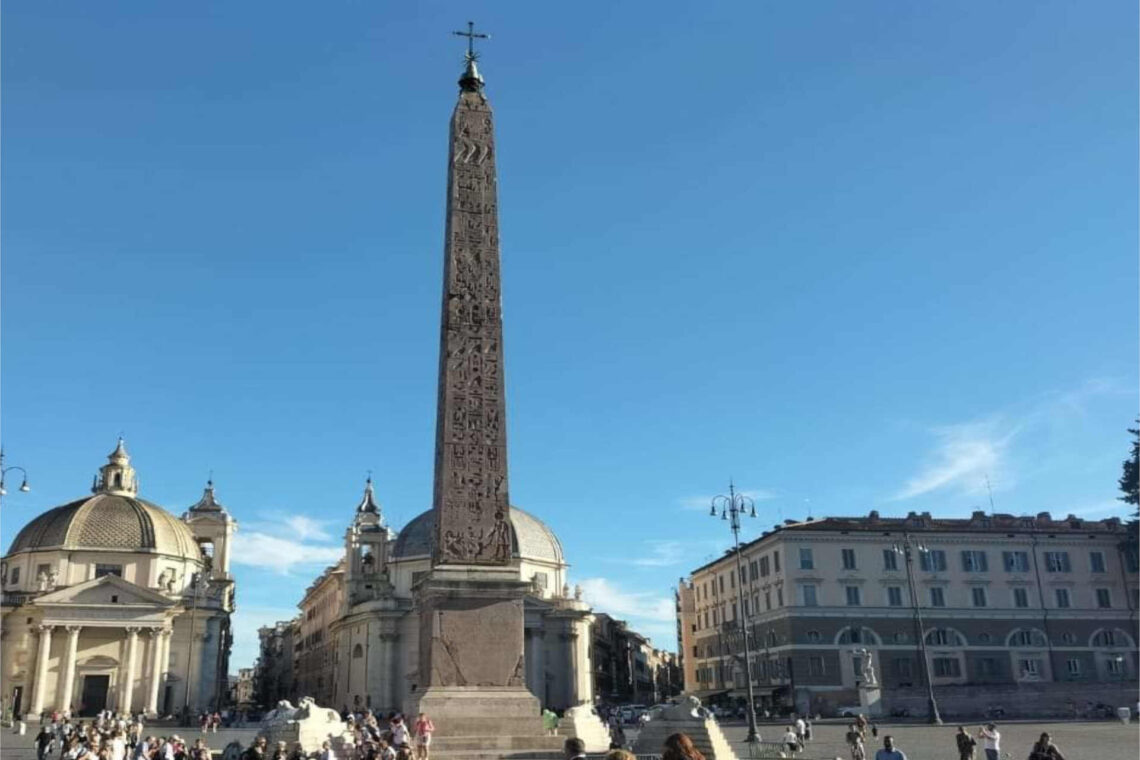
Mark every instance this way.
x=159 y=657
x=128 y=684
x=40 y=686
x=387 y=699
x=67 y=676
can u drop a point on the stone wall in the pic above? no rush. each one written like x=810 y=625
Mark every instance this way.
x=1024 y=701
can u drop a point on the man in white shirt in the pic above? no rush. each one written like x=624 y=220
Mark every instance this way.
x=991 y=741
x=801 y=730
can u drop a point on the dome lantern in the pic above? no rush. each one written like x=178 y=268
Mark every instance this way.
x=117 y=477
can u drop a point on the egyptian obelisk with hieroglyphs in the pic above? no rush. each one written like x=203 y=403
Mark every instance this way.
x=471 y=671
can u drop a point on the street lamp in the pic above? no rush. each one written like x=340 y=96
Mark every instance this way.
x=198 y=582
x=732 y=507
x=907 y=548
x=24 y=487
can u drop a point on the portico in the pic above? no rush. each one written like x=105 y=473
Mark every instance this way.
x=103 y=644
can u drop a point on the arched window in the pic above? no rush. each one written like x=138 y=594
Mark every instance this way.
x=857 y=635
x=944 y=637
x=1107 y=638
x=1026 y=637
x=357 y=651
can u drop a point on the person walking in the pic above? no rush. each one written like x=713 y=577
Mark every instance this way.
x=889 y=751
x=326 y=752
x=966 y=744
x=45 y=742
x=1045 y=749
x=991 y=741
x=855 y=743
x=422 y=732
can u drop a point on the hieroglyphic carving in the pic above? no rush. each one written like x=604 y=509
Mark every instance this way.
x=471 y=499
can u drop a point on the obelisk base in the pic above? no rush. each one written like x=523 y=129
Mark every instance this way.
x=472 y=655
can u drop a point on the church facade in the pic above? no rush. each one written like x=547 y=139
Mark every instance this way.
x=356 y=643
x=111 y=602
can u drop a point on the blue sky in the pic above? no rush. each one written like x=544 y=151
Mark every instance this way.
x=853 y=256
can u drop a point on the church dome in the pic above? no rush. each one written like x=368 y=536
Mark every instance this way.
x=531 y=538
x=109 y=521
x=114 y=518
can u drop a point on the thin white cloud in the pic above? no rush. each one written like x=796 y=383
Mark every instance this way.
x=257 y=549
x=662 y=554
x=307 y=528
x=965 y=456
x=704 y=502
x=606 y=596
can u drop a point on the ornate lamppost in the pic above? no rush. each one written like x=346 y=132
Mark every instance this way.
x=732 y=507
x=906 y=548
x=24 y=487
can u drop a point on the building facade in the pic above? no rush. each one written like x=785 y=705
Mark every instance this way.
x=272 y=677
x=627 y=669
x=1034 y=611
x=355 y=643
x=111 y=602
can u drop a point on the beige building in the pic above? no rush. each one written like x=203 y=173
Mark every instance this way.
x=356 y=641
x=112 y=602
x=1027 y=611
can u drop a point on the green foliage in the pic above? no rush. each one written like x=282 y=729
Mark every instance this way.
x=1130 y=478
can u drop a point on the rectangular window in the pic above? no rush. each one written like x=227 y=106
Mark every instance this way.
x=848 y=559
x=1132 y=560
x=974 y=561
x=1073 y=666
x=101 y=570
x=978 y=596
x=42 y=570
x=890 y=559
x=1029 y=667
x=763 y=567
x=776 y=561
x=706 y=618
x=716 y=618
x=15 y=576
x=1096 y=562
x=780 y=597
x=732 y=581
x=752 y=574
x=852 y=596
x=1015 y=562
x=894 y=596
x=720 y=582
x=937 y=597
x=932 y=561
x=1057 y=562
x=1103 y=598
x=1114 y=665
x=809 y=595
x=746 y=609
x=767 y=600
x=1020 y=597
x=806 y=561
x=946 y=667
x=815 y=666
x=1062 y=598
x=733 y=611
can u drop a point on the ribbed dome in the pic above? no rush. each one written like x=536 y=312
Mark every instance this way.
x=530 y=538
x=109 y=521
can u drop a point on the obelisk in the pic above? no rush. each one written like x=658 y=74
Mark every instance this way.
x=470 y=676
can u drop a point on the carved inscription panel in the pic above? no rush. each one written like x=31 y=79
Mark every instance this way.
x=470 y=502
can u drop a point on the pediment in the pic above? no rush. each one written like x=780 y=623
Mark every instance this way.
x=110 y=589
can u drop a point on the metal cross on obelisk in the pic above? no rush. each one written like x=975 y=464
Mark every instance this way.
x=471 y=36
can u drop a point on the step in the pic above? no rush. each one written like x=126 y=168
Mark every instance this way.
x=495 y=742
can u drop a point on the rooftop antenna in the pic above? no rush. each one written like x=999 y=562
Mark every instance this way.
x=990 y=491
x=808 y=502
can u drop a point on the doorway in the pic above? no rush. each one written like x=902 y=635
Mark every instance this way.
x=17 y=701
x=94 y=696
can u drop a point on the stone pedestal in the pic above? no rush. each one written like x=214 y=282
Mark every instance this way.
x=308 y=724
x=471 y=677
x=871 y=700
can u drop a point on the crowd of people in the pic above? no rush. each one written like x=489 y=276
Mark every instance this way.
x=109 y=736
x=373 y=738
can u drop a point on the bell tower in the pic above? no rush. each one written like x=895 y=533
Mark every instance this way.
x=117 y=477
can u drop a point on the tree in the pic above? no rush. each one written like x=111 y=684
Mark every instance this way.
x=1130 y=478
